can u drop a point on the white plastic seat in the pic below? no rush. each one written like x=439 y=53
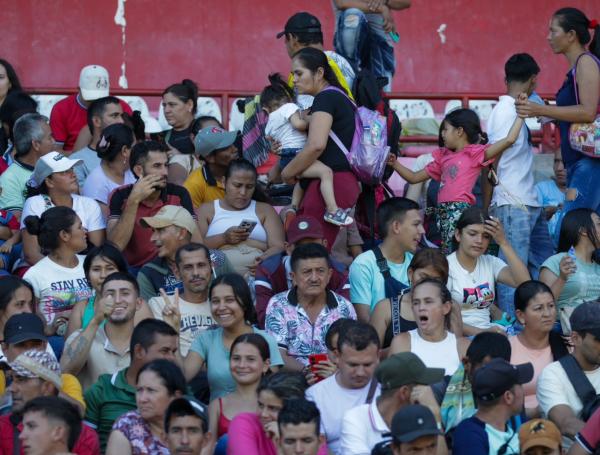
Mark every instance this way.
x=236 y=118
x=483 y=108
x=137 y=103
x=406 y=109
x=47 y=102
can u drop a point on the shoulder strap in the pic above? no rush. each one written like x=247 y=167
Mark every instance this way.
x=574 y=71
x=584 y=389
x=371 y=392
x=382 y=263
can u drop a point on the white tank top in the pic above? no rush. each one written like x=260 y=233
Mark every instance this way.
x=440 y=354
x=224 y=219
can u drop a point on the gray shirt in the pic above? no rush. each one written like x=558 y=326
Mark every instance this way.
x=90 y=162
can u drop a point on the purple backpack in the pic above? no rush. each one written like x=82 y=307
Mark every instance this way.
x=369 y=150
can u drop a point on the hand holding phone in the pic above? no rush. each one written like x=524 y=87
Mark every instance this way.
x=248 y=225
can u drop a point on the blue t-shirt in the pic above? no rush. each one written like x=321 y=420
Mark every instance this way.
x=475 y=437
x=209 y=345
x=367 y=285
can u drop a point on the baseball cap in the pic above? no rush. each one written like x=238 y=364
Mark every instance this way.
x=406 y=368
x=170 y=215
x=539 y=432
x=304 y=227
x=37 y=364
x=586 y=318
x=24 y=327
x=187 y=405
x=49 y=164
x=93 y=82
x=302 y=22
x=213 y=138
x=498 y=376
x=413 y=421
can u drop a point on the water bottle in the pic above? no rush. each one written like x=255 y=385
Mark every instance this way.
x=366 y=135
x=376 y=134
x=571 y=254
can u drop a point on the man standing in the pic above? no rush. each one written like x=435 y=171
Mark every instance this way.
x=352 y=385
x=69 y=115
x=402 y=377
x=217 y=149
x=187 y=312
x=365 y=33
x=103 y=346
x=51 y=426
x=186 y=426
x=130 y=203
x=114 y=394
x=101 y=113
x=498 y=389
x=299 y=318
x=36 y=374
x=274 y=274
x=33 y=139
x=382 y=272
x=515 y=201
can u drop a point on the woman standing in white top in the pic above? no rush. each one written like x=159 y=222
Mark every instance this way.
x=474 y=274
x=114 y=171
x=53 y=184
x=58 y=280
x=431 y=341
x=245 y=230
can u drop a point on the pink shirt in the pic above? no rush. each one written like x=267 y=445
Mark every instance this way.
x=539 y=358
x=246 y=436
x=457 y=172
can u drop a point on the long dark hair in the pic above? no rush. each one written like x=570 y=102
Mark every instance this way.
x=313 y=59
x=524 y=293
x=468 y=120
x=241 y=291
x=11 y=74
x=8 y=286
x=574 y=19
x=50 y=224
x=572 y=224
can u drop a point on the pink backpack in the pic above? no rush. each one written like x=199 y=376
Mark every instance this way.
x=369 y=150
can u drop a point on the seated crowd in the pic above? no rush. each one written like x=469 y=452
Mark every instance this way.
x=153 y=300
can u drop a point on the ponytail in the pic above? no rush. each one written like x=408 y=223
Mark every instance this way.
x=574 y=19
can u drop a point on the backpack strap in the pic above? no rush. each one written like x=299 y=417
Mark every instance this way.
x=574 y=72
x=382 y=264
x=582 y=385
x=371 y=392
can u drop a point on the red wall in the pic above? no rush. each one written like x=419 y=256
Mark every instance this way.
x=230 y=44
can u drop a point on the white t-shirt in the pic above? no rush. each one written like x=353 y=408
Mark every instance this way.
x=475 y=291
x=362 y=428
x=516 y=163
x=333 y=401
x=195 y=318
x=554 y=388
x=99 y=187
x=58 y=288
x=86 y=209
x=280 y=127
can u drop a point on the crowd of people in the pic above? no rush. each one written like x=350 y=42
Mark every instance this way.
x=154 y=300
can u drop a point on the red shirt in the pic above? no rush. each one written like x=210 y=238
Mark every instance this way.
x=87 y=443
x=140 y=249
x=68 y=117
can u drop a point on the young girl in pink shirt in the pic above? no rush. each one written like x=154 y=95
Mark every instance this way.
x=463 y=153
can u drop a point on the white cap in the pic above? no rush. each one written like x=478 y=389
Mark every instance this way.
x=93 y=82
x=49 y=164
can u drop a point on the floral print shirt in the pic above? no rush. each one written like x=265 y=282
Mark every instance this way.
x=142 y=441
x=290 y=325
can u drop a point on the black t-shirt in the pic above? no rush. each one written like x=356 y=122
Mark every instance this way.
x=340 y=108
x=180 y=140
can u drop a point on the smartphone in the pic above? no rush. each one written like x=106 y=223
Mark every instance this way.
x=248 y=225
x=313 y=360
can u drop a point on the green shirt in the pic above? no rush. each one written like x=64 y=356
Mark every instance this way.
x=108 y=399
x=12 y=183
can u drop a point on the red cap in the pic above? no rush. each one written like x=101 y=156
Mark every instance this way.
x=304 y=227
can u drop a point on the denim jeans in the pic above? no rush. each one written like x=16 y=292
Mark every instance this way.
x=526 y=230
x=360 y=38
x=584 y=176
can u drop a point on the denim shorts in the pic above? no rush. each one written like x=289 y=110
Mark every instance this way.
x=286 y=156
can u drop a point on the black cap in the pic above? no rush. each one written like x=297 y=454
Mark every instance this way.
x=406 y=368
x=301 y=23
x=586 y=318
x=412 y=422
x=188 y=406
x=498 y=376
x=24 y=327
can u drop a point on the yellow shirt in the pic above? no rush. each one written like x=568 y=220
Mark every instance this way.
x=200 y=190
x=70 y=387
x=338 y=73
